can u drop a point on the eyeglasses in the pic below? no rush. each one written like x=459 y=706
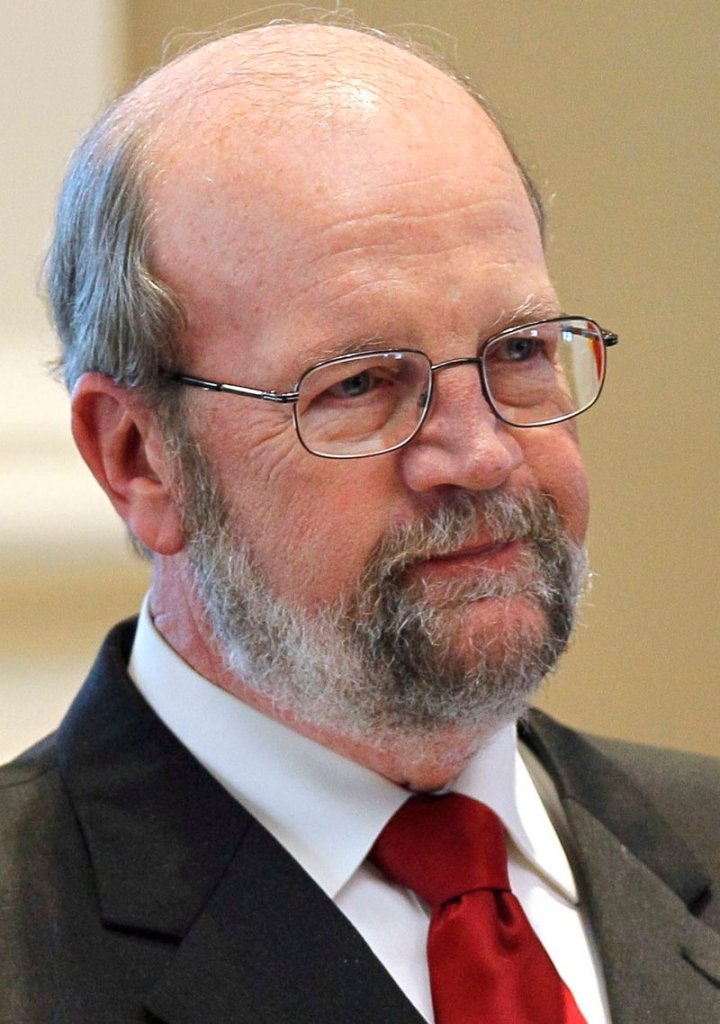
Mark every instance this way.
x=368 y=403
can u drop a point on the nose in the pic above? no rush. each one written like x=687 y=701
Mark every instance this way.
x=461 y=443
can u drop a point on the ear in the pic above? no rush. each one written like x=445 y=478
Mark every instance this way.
x=117 y=435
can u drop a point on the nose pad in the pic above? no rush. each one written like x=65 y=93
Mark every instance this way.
x=461 y=442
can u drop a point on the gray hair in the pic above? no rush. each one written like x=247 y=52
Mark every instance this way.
x=112 y=313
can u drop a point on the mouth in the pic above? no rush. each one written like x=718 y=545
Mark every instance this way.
x=492 y=556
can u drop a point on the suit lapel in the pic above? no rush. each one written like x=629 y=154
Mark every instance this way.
x=270 y=946
x=250 y=936
x=638 y=880
x=653 y=950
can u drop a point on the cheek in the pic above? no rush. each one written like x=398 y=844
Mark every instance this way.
x=553 y=456
x=310 y=523
x=312 y=526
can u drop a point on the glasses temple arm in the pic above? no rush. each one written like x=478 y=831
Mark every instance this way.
x=233 y=389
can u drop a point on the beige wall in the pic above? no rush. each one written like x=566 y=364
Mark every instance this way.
x=64 y=569
x=614 y=105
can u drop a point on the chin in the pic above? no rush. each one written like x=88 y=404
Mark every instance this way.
x=494 y=624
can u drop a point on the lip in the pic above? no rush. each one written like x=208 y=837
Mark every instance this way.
x=490 y=555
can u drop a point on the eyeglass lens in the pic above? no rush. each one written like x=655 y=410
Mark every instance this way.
x=374 y=402
x=544 y=372
x=364 y=405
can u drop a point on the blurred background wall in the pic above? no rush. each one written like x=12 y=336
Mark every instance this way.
x=614 y=107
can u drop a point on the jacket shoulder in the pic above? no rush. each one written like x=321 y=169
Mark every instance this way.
x=684 y=787
x=34 y=810
x=29 y=786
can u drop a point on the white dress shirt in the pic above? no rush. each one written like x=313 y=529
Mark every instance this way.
x=327 y=811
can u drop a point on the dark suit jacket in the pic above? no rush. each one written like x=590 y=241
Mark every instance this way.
x=133 y=888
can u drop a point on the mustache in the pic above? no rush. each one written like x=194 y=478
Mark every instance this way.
x=551 y=572
x=498 y=517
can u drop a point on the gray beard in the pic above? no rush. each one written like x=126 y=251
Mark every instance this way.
x=395 y=657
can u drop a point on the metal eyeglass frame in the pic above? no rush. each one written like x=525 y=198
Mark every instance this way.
x=608 y=338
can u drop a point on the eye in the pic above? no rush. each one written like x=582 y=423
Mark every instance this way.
x=518 y=349
x=353 y=387
x=372 y=381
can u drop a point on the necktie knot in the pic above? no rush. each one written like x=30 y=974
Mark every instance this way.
x=442 y=847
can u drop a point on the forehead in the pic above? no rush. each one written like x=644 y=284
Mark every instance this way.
x=316 y=200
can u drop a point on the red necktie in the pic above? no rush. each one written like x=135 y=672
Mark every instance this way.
x=487 y=965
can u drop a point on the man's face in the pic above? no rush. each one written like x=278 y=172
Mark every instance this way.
x=408 y=229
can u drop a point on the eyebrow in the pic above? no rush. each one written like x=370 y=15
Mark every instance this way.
x=529 y=311
x=375 y=343
x=358 y=346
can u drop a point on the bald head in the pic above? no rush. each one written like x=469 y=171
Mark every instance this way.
x=263 y=112
x=300 y=85
x=300 y=71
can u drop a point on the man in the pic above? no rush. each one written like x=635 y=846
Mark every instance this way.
x=318 y=366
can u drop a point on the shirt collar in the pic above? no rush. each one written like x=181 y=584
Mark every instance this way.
x=326 y=810
x=499 y=777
